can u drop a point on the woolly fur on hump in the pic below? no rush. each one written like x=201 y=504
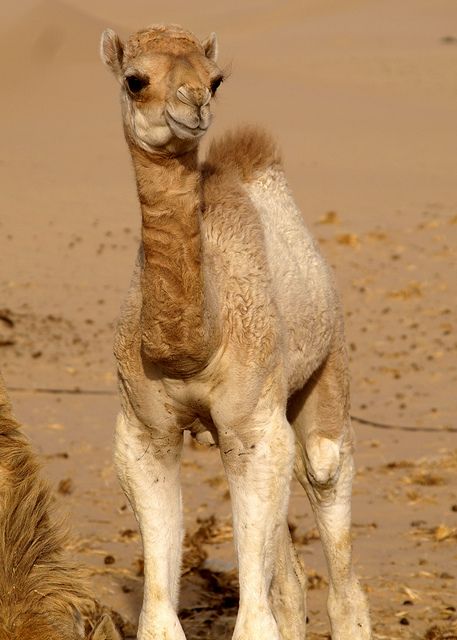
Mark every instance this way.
x=245 y=152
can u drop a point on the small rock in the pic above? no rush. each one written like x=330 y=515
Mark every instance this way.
x=66 y=486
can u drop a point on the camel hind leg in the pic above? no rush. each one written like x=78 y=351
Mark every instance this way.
x=319 y=414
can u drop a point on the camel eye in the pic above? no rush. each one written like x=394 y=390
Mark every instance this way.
x=215 y=84
x=136 y=83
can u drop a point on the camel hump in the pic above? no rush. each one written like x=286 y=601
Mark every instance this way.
x=246 y=151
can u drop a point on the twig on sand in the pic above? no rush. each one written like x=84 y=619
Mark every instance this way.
x=75 y=391
x=383 y=425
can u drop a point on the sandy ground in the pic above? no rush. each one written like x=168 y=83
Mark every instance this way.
x=361 y=95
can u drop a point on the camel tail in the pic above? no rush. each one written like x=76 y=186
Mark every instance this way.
x=246 y=151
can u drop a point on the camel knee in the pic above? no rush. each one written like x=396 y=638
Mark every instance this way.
x=323 y=460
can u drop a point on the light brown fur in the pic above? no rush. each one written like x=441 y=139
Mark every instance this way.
x=179 y=328
x=245 y=153
x=173 y=313
x=42 y=596
x=236 y=158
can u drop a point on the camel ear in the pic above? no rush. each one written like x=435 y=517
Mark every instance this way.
x=105 y=630
x=112 y=51
x=210 y=47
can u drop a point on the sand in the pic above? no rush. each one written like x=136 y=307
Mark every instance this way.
x=361 y=96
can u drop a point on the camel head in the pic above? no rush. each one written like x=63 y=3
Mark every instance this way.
x=168 y=79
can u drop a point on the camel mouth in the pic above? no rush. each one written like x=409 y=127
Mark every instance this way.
x=183 y=131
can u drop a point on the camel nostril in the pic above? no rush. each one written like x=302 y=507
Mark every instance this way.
x=185 y=96
x=193 y=97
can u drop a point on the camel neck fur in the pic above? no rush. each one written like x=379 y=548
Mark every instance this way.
x=175 y=320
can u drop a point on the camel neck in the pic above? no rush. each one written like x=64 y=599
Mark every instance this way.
x=175 y=322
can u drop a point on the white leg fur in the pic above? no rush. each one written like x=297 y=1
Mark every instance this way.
x=259 y=471
x=347 y=606
x=324 y=466
x=148 y=468
x=288 y=590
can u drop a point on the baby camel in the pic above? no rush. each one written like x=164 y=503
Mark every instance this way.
x=232 y=326
x=41 y=596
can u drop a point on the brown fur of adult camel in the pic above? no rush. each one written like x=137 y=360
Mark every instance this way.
x=42 y=597
x=232 y=325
